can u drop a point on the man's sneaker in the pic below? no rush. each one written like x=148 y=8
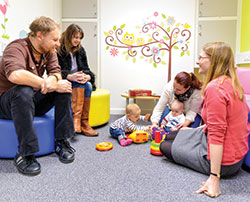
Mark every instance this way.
x=65 y=152
x=27 y=165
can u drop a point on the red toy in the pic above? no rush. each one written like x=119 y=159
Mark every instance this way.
x=140 y=92
x=155 y=144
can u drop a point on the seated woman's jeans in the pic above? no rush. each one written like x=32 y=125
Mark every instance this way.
x=87 y=86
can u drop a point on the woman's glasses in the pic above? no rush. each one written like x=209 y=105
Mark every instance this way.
x=201 y=57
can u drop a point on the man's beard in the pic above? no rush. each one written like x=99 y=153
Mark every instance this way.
x=46 y=50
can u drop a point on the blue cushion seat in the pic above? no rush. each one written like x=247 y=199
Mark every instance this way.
x=44 y=126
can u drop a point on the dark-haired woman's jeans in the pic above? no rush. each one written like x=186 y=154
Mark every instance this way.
x=21 y=104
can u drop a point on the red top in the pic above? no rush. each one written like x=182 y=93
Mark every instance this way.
x=226 y=120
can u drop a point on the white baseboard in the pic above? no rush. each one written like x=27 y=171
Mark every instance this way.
x=122 y=111
x=117 y=111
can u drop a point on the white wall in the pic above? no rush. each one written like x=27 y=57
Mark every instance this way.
x=20 y=13
x=118 y=74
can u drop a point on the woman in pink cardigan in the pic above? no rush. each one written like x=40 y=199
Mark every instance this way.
x=219 y=146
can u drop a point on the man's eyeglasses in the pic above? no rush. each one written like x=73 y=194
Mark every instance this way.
x=201 y=57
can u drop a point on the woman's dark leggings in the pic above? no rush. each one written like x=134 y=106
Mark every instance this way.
x=166 y=145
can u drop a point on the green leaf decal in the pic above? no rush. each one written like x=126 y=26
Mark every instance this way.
x=5 y=36
x=164 y=16
x=166 y=38
x=122 y=26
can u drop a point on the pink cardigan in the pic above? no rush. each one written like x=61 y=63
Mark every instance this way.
x=226 y=120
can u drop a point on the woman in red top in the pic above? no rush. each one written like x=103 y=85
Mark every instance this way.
x=218 y=147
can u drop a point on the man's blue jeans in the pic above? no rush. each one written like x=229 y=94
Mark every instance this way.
x=21 y=104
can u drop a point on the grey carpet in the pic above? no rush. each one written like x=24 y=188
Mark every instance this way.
x=121 y=174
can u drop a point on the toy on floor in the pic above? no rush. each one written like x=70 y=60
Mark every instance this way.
x=139 y=136
x=162 y=132
x=155 y=144
x=104 y=146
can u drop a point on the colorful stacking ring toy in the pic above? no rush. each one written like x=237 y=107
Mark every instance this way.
x=104 y=146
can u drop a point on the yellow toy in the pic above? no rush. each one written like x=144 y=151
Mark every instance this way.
x=104 y=146
x=139 y=136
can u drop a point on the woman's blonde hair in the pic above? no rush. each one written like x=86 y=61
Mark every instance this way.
x=66 y=38
x=221 y=63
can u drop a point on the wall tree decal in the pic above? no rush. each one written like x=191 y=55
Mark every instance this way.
x=161 y=38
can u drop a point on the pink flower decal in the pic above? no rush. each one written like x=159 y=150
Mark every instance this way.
x=114 y=51
x=155 y=14
x=155 y=51
x=153 y=25
x=3 y=8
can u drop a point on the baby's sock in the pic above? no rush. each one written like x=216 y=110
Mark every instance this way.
x=125 y=142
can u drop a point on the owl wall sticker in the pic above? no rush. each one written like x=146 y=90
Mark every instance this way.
x=140 y=41
x=128 y=39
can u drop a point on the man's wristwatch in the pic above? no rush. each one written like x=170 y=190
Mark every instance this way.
x=215 y=174
x=57 y=79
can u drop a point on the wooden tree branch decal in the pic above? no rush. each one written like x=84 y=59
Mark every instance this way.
x=163 y=37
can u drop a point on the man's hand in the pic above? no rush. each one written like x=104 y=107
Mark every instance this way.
x=49 y=85
x=64 y=86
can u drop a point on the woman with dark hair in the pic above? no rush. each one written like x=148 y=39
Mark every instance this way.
x=186 y=88
x=73 y=61
x=218 y=147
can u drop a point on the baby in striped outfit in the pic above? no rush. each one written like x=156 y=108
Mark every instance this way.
x=127 y=124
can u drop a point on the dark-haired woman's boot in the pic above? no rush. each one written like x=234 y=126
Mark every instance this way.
x=85 y=127
x=77 y=107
